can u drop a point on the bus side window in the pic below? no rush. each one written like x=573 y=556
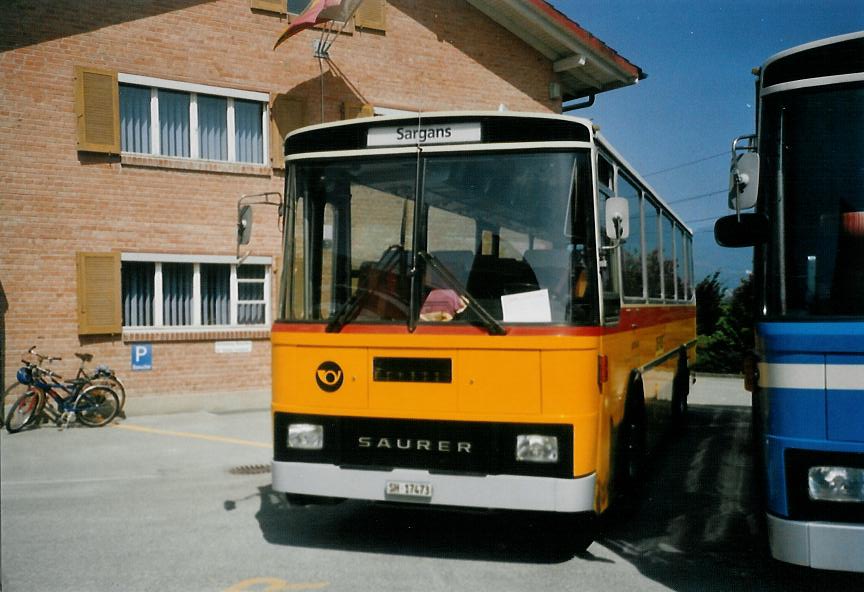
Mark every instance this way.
x=652 y=250
x=608 y=258
x=631 y=249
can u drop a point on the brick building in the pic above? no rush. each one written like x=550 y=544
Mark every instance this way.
x=128 y=131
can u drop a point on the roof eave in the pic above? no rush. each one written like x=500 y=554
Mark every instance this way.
x=584 y=64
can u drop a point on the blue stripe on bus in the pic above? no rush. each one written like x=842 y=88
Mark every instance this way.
x=845 y=360
x=839 y=337
x=796 y=413
x=787 y=358
x=846 y=415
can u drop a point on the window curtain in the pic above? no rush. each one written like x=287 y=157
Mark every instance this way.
x=215 y=294
x=137 y=282
x=174 y=123
x=249 y=137
x=176 y=294
x=134 y=119
x=213 y=127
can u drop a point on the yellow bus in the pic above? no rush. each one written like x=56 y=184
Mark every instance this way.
x=482 y=310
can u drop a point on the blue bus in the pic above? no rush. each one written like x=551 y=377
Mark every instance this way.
x=802 y=175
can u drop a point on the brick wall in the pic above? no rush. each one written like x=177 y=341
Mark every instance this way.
x=56 y=201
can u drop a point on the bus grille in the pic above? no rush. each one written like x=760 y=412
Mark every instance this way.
x=462 y=447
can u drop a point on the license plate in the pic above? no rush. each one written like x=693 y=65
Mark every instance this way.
x=408 y=489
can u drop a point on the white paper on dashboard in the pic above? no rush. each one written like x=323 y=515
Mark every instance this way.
x=527 y=307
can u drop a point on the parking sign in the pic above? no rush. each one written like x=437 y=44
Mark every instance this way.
x=142 y=356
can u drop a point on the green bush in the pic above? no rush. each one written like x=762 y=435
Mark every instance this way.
x=724 y=325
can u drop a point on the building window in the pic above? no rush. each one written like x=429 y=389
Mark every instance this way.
x=182 y=292
x=213 y=127
x=251 y=304
x=297 y=6
x=181 y=120
x=249 y=131
x=174 y=122
x=135 y=119
x=177 y=298
x=215 y=294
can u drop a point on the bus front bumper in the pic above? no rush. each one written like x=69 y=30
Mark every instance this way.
x=510 y=492
x=821 y=545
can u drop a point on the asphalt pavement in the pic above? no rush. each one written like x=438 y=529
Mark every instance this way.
x=181 y=501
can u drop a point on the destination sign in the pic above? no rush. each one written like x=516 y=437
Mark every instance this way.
x=423 y=135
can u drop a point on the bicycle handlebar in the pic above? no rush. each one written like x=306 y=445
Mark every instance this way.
x=32 y=351
x=38 y=371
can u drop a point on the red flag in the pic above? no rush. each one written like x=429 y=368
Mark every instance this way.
x=319 y=11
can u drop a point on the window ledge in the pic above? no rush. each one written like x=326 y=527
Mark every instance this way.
x=188 y=164
x=153 y=334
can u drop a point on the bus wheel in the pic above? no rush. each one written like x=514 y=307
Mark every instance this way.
x=585 y=531
x=630 y=444
x=680 y=391
x=302 y=499
x=570 y=532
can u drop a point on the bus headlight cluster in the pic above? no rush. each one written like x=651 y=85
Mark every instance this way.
x=836 y=484
x=536 y=448
x=305 y=436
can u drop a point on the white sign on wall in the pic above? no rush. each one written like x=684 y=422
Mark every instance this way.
x=233 y=347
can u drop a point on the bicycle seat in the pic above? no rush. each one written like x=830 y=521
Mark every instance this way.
x=84 y=357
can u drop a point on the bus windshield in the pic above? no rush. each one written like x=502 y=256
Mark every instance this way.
x=441 y=237
x=816 y=267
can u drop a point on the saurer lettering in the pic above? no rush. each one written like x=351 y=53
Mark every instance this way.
x=414 y=444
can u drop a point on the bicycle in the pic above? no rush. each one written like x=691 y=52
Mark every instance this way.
x=102 y=374
x=19 y=388
x=94 y=405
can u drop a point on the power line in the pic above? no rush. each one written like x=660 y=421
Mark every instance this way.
x=700 y=196
x=701 y=220
x=686 y=164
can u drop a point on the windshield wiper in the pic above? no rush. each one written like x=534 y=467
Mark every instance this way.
x=349 y=310
x=491 y=324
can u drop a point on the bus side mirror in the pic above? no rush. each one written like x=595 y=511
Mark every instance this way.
x=244 y=225
x=743 y=181
x=744 y=230
x=617 y=218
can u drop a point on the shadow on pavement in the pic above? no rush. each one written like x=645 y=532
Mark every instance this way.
x=423 y=532
x=697 y=526
x=699 y=523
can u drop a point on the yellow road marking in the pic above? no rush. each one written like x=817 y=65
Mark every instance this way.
x=210 y=438
x=274 y=585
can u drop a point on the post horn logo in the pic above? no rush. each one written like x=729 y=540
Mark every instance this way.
x=329 y=377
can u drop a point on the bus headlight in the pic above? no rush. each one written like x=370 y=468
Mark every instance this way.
x=836 y=484
x=305 y=436
x=536 y=448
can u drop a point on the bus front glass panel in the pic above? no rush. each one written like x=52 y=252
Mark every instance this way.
x=511 y=230
x=812 y=138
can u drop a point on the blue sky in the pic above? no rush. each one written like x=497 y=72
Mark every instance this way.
x=699 y=93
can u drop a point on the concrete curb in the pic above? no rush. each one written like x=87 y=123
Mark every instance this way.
x=211 y=402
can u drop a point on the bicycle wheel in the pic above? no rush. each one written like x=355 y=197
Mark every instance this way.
x=24 y=410
x=115 y=385
x=10 y=395
x=96 y=406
